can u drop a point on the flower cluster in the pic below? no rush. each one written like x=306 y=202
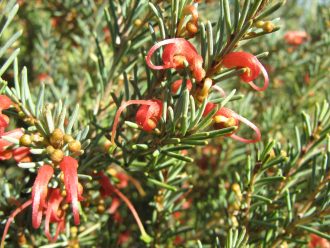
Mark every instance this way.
x=50 y=202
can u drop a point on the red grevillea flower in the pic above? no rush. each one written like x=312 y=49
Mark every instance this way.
x=20 y=154
x=54 y=214
x=69 y=167
x=147 y=115
x=226 y=117
x=107 y=189
x=251 y=63
x=176 y=51
x=39 y=193
x=318 y=242
x=38 y=200
x=5 y=103
x=295 y=38
x=177 y=84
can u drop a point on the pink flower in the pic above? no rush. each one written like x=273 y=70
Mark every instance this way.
x=295 y=38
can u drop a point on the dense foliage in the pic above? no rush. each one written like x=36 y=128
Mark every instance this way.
x=136 y=123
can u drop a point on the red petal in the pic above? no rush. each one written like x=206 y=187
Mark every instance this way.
x=106 y=186
x=69 y=167
x=39 y=193
x=177 y=84
x=4 y=121
x=21 y=153
x=208 y=108
x=5 y=102
x=5 y=155
x=16 y=134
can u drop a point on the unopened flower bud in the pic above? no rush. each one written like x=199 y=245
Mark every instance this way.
x=191 y=27
x=25 y=140
x=57 y=156
x=74 y=146
x=100 y=209
x=268 y=27
x=50 y=149
x=73 y=231
x=259 y=24
x=67 y=138
x=56 y=138
x=138 y=22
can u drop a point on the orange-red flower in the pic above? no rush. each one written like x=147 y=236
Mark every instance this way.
x=69 y=167
x=147 y=115
x=226 y=117
x=176 y=52
x=251 y=64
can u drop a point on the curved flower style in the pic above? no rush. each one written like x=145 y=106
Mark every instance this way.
x=177 y=84
x=226 y=117
x=39 y=193
x=251 y=63
x=69 y=167
x=11 y=218
x=5 y=103
x=20 y=153
x=54 y=214
x=295 y=38
x=176 y=51
x=147 y=115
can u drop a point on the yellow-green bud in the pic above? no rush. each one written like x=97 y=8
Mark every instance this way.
x=67 y=138
x=74 y=146
x=268 y=27
x=259 y=24
x=50 y=149
x=57 y=156
x=25 y=140
x=56 y=138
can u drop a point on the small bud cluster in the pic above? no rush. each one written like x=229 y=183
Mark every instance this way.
x=57 y=141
